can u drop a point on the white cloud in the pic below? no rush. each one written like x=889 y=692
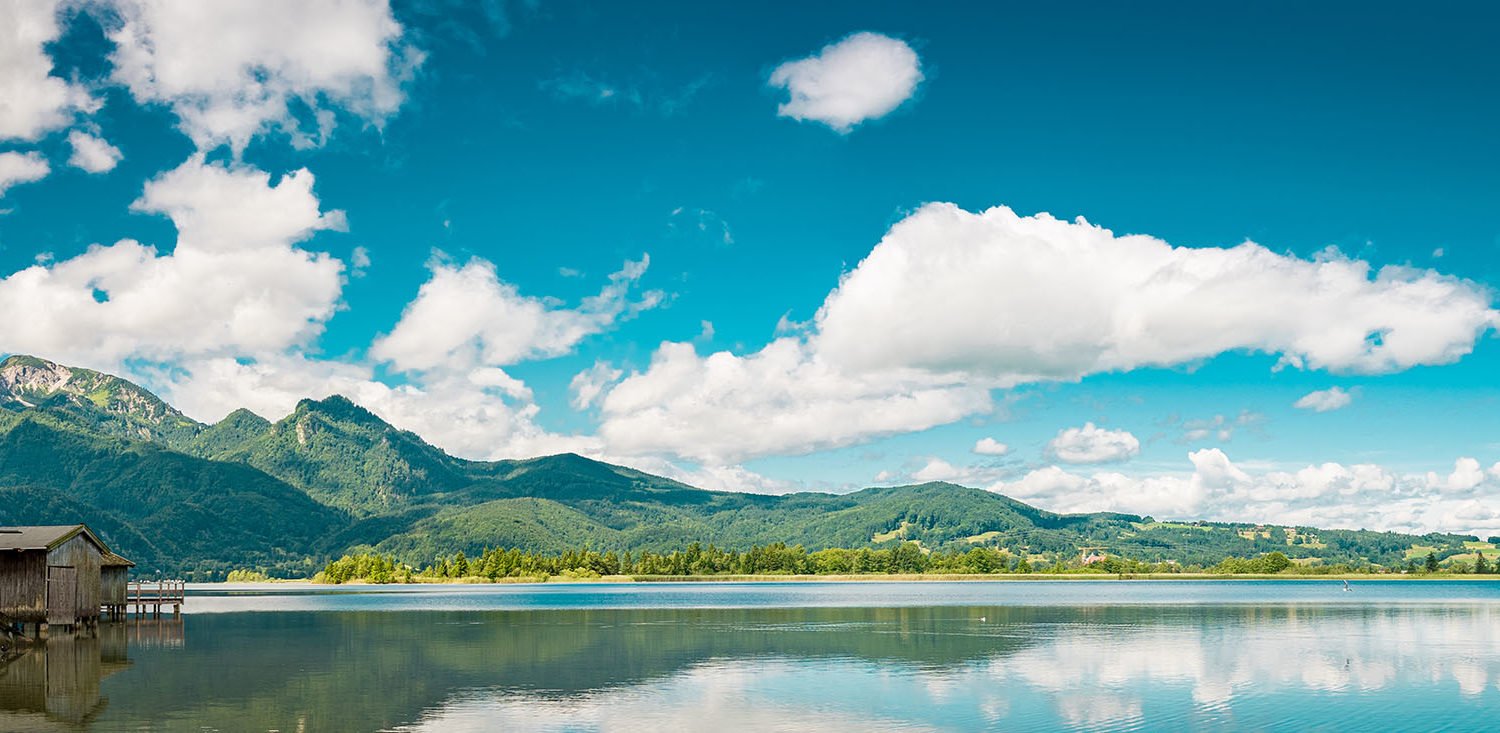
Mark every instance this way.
x=233 y=208
x=230 y=70
x=92 y=153
x=234 y=284
x=936 y=469
x=862 y=77
x=1331 y=495
x=17 y=168
x=32 y=101
x=1015 y=299
x=466 y=316
x=1093 y=444
x=359 y=260
x=950 y=305
x=933 y=468
x=990 y=447
x=1467 y=474
x=1325 y=400
x=590 y=383
x=724 y=408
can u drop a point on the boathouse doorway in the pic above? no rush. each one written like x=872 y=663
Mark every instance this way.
x=62 y=595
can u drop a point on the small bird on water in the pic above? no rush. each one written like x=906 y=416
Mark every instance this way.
x=1347 y=587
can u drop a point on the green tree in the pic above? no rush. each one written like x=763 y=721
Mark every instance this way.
x=1275 y=562
x=1432 y=562
x=1481 y=567
x=981 y=560
x=907 y=558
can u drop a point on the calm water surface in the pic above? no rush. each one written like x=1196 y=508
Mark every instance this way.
x=1261 y=655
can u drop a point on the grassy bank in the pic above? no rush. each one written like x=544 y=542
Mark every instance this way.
x=913 y=578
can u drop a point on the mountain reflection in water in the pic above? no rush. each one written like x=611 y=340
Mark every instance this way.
x=1428 y=664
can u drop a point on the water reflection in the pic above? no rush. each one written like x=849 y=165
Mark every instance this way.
x=1079 y=669
x=1289 y=667
x=165 y=632
x=54 y=683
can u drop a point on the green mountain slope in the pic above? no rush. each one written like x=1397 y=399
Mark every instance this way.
x=339 y=453
x=91 y=399
x=537 y=525
x=77 y=445
x=631 y=514
x=225 y=438
x=163 y=509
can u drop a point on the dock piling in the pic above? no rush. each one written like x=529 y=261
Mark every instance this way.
x=148 y=597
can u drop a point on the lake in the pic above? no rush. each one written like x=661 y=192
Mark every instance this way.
x=796 y=656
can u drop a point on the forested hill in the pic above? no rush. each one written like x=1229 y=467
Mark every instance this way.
x=179 y=496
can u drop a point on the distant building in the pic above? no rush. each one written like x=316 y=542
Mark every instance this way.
x=55 y=575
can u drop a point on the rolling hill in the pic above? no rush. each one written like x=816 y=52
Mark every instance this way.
x=182 y=497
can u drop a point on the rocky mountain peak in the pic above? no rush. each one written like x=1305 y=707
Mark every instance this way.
x=27 y=376
x=103 y=400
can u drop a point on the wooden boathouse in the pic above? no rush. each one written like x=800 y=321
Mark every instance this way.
x=114 y=578
x=54 y=575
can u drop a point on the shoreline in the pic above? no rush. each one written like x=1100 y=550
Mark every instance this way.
x=892 y=578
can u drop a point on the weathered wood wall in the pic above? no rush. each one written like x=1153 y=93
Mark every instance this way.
x=112 y=582
x=23 y=586
x=82 y=555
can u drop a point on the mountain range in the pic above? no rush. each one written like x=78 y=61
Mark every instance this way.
x=183 y=497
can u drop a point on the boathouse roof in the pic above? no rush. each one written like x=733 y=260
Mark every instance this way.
x=111 y=560
x=46 y=537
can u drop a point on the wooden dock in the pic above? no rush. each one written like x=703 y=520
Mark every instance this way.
x=149 y=596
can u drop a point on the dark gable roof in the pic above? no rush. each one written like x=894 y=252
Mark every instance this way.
x=111 y=560
x=45 y=538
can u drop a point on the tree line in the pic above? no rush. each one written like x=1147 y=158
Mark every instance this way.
x=907 y=558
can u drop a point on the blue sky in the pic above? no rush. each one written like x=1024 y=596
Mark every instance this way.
x=457 y=214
